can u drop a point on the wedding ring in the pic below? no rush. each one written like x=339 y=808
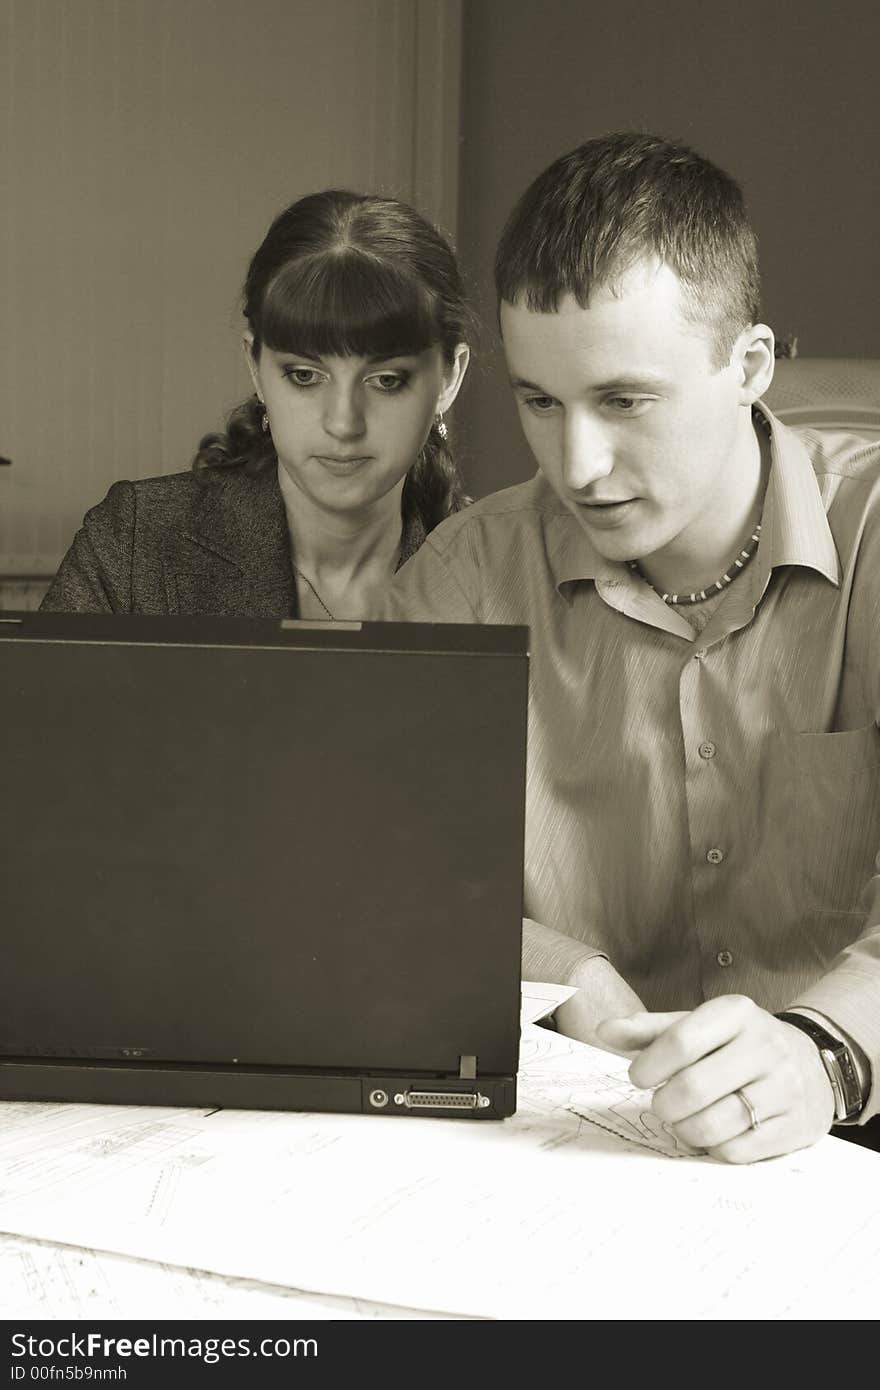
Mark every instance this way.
x=752 y=1112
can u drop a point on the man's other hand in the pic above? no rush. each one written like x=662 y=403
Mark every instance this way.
x=601 y=994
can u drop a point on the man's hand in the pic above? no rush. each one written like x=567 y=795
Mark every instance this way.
x=601 y=994
x=697 y=1062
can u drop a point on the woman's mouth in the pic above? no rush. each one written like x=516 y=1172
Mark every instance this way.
x=343 y=463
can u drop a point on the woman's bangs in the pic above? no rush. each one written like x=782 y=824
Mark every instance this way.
x=348 y=305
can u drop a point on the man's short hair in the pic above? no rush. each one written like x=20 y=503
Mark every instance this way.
x=597 y=211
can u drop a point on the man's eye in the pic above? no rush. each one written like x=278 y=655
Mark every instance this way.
x=629 y=405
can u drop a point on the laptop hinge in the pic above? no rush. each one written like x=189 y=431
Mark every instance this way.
x=467 y=1069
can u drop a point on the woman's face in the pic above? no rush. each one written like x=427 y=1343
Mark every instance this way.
x=347 y=429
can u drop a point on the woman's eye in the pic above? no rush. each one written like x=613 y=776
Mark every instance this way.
x=302 y=376
x=389 y=382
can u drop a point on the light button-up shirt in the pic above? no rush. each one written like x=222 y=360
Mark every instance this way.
x=748 y=871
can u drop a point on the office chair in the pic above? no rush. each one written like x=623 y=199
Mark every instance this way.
x=840 y=393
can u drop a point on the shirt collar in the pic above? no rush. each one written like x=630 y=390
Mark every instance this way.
x=794 y=529
x=570 y=552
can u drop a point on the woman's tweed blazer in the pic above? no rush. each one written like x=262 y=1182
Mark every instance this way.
x=182 y=543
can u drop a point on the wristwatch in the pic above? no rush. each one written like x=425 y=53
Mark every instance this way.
x=839 y=1065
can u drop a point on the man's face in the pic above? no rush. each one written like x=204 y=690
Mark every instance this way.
x=628 y=418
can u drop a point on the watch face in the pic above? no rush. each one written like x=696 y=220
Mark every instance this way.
x=852 y=1090
x=839 y=1065
x=835 y=1080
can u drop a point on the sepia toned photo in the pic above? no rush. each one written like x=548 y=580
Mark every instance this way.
x=439 y=675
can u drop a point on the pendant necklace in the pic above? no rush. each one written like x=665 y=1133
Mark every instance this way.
x=308 y=581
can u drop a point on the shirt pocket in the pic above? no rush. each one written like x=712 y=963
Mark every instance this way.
x=824 y=815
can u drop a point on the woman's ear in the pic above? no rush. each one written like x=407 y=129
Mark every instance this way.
x=453 y=376
x=253 y=366
x=754 y=356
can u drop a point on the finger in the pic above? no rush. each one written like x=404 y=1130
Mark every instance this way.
x=694 y=1036
x=728 y=1118
x=777 y=1136
x=711 y=1079
x=635 y=1032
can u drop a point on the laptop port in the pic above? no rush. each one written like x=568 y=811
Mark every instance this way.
x=441 y=1100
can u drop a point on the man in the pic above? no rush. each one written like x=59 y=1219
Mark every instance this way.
x=702 y=587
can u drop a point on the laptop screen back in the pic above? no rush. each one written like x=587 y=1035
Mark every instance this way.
x=262 y=843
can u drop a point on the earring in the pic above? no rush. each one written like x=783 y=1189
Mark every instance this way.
x=264 y=423
x=441 y=425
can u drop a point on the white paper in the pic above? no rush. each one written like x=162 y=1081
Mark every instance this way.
x=546 y=1215
x=540 y=1000
x=45 y=1281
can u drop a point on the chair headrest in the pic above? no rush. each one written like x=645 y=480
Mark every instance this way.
x=827 y=393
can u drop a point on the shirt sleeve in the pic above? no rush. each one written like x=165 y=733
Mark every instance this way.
x=95 y=574
x=550 y=956
x=849 y=993
x=431 y=588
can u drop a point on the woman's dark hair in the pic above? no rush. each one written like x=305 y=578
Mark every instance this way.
x=351 y=274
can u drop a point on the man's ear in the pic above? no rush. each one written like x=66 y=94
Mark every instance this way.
x=453 y=377
x=253 y=366
x=753 y=356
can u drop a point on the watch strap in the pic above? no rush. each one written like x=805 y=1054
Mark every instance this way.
x=840 y=1067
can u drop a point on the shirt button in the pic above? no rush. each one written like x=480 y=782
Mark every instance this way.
x=699 y=654
x=715 y=856
x=707 y=749
x=724 y=958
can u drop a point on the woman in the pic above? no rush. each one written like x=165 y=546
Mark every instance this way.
x=329 y=477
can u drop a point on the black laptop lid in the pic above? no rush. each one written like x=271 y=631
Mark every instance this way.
x=283 y=844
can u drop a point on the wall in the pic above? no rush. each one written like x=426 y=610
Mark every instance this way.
x=783 y=95
x=145 y=146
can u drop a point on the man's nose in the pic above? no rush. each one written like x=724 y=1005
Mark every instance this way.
x=587 y=454
x=344 y=413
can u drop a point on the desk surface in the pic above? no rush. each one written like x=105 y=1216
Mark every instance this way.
x=581 y=1206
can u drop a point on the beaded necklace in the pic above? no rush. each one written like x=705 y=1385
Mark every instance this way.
x=727 y=577
x=734 y=569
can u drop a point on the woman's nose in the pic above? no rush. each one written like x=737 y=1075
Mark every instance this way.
x=344 y=415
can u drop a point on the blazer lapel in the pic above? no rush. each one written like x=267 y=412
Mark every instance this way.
x=235 y=551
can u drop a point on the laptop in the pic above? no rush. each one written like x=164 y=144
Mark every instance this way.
x=262 y=864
